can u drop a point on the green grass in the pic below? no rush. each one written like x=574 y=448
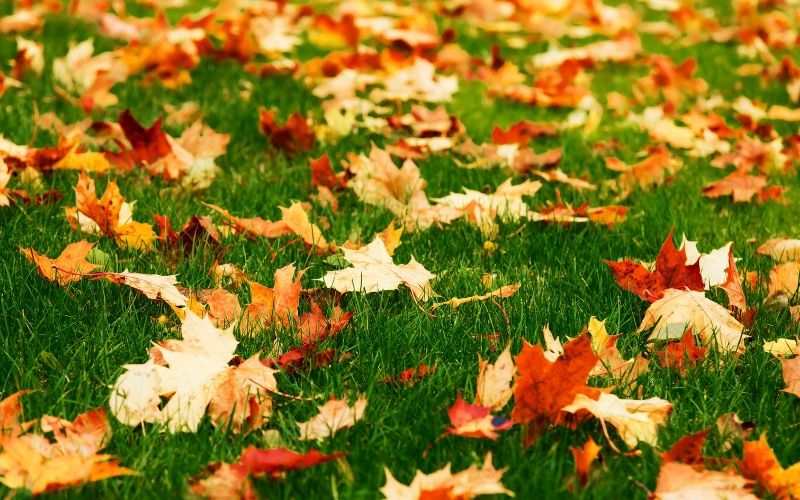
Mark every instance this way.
x=69 y=346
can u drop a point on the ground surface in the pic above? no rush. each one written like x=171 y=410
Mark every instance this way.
x=69 y=346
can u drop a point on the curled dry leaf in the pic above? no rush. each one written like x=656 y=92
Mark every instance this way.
x=71 y=265
x=494 y=380
x=781 y=249
x=468 y=483
x=502 y=293
x=635 y=420
x=678 y=310
x=333 y=416
x=374 y=271
x=153 y=286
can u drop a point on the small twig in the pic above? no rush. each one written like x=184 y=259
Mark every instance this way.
x=419 y=306
x=503 y=310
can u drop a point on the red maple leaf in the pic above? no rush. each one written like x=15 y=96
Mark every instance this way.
x=682 y=354
x=292 y=137
x=670 y=271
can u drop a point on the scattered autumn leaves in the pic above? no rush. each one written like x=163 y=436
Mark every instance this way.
x=388 y=72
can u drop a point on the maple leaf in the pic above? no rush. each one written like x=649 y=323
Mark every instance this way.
x=543 y=388
x=791 y=375
x=153 y=286
x=759 y=463
x=197 y=230
x=635 y=420
x=322 y=174
x=195 y=375
x=475 y=421
x=782 y=347
x=493 y=388
x=741 y=186
x=11 y=424
x=521 y=132
x=314 y=326
x=274 y=306
x=418 y=81
x=584 y=457
x=110 y=215
x=71 y=265
x=292 y=137
x=481 y=209
x=502 y=292
x=611 y=362
x=223 y=306
x=333 y=416
x=221 y=480
x=650 y=172
x=688 y=449
x=37 y=464
x=671 y=271
x=679 y=355
x=411 y=376
x=679 y=310
x=304 y=357
x=781 y=249
x=784 y=280
x=468 y=483
x=374 y=271
x=683 y=481
x=377 y=181
x=294 y=221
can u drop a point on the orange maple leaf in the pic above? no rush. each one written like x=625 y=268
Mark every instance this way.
x=543 y=388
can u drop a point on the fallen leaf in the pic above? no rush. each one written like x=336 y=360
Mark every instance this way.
x=35 y=463
x=584 y=457
x=493 y=388
x=374 y=271
x=543 y=388
x=671 y=271
x=153 y=286
x=682 y=354
x=635 y=420
x=475 y=421
x=679 y=310
x=193 y=375
x=275 y=306
x=70 y=266
x=679 y=481
x=759 y=463
x=791 y=375
x=333 y=416
x=781 y=249
x=468 y=483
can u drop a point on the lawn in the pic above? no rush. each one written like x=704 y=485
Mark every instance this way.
x=68 y=345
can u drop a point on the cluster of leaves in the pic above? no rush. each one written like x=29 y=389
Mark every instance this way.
x=388 y=71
